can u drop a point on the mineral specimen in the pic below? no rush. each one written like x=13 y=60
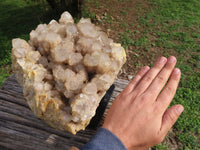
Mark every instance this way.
x=65 y=70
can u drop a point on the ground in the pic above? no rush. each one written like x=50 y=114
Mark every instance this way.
x=147 y=30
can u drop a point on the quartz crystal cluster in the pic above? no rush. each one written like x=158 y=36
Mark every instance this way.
x=65 y=70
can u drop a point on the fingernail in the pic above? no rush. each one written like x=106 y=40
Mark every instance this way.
x=161 y=60
x=171 y=59
x=180 y=109
x=145 y=68
x=177 y=71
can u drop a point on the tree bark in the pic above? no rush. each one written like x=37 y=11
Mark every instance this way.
x=52 y=3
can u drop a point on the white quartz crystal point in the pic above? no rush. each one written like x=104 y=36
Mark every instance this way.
x=72 y=84
x=103 y=82
x=73 y=81
x=84 y=106
x=91 y=60
x=118 y=52
x=66 y=18
x=61 y=52
x=71 y=31
x=53 y=21
x=98 y=61
x=104 y=64
x=44 y=39
x=85 y=20
x=69 y=73
x=54 y=26
x=20 y=48
x=59 y=73
x=20 y=43
x=82 y=73
x=33 y=56
x=52 y=39
x=74 y=58
x=87 y=29
x=96 y=47
x=20 y=52
x=103 y=39
x=84 y=45
x=90 y=88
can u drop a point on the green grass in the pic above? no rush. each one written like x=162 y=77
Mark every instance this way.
x=126 y=38
x=4 y=73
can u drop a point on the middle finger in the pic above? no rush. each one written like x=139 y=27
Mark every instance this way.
x=160 y=80
x=149 y=77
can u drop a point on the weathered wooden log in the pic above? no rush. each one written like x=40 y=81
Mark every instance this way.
x=21 y=130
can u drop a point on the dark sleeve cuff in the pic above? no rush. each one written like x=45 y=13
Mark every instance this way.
x=104 y=140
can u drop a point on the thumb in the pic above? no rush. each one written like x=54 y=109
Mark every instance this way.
x=170 y=117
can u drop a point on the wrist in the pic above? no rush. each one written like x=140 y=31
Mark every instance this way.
x=130 y=145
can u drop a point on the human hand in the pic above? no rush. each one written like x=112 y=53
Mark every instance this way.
x=138 y=116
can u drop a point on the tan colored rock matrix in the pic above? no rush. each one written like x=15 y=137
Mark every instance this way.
x=65 y=70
